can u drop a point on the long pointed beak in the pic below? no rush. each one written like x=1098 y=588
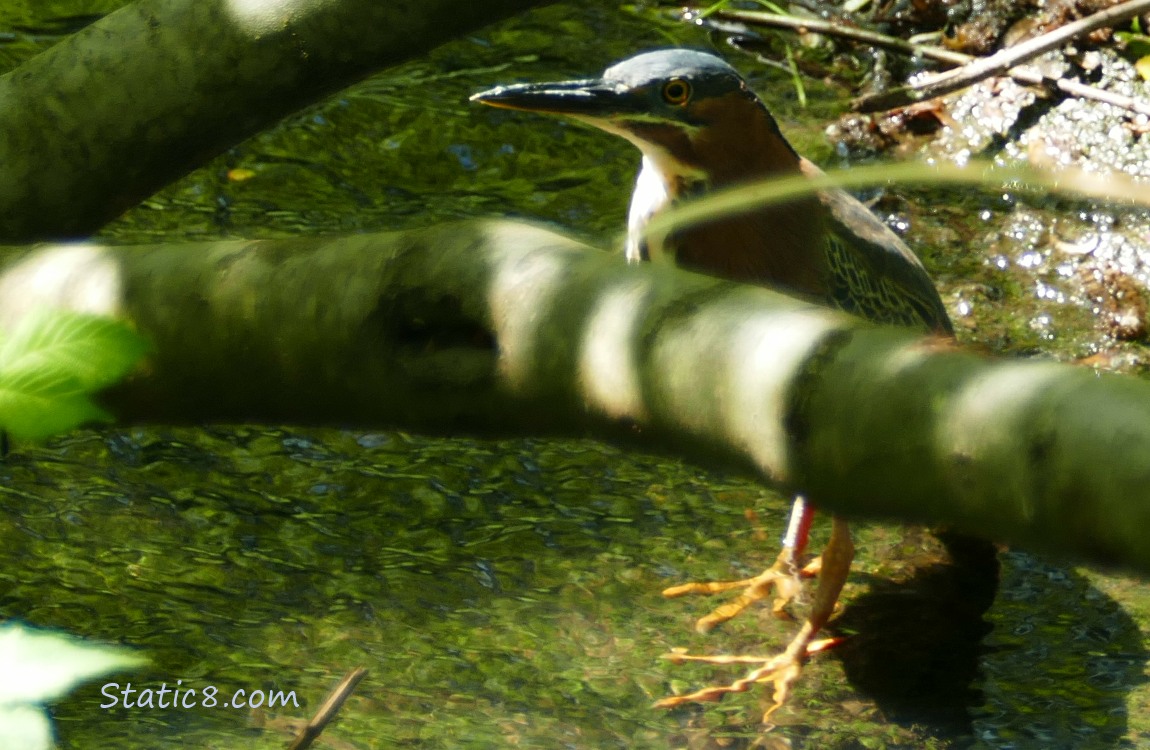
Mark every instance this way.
x=590 y=98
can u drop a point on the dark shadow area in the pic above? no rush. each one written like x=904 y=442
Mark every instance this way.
x=916 y=636
x=1066 y=656
x=933 y=646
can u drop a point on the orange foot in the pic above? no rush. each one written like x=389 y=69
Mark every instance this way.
x=784 y=577
x=782 y=670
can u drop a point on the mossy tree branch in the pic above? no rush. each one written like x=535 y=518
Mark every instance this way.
x=496 y=327
x=146 y=94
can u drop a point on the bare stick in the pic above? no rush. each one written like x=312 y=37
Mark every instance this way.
x=902 y=96
x=328 y=710
x=855 y=34
x=1004 y=60
x=1083 y=90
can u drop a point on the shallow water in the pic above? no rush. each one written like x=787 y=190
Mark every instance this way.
x=505 y=593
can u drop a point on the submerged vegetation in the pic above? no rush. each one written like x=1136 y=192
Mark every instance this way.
x=506 y=592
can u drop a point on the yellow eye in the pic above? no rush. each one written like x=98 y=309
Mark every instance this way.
x=676 y=91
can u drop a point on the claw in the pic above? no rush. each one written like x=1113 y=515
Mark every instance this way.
x=782 y=577
x=782 y=670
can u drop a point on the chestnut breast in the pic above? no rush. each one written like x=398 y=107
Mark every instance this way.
x=779 y=245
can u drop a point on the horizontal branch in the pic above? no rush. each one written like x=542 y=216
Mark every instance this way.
x=496 y=326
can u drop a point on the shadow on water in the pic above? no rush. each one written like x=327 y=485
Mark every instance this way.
x=505 y=593
x=1049 y=662
x=1064 y=659
x=917 y=632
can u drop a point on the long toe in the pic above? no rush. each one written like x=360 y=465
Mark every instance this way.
x=782 y=671
x=782 y=579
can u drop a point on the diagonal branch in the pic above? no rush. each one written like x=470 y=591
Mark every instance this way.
x=113 y=113
x=908 y=95
x=327 y=711
x=1004 y=61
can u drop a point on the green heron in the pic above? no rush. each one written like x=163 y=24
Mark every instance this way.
x=699 y=128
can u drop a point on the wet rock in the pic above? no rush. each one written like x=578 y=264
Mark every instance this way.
x=1120 y=302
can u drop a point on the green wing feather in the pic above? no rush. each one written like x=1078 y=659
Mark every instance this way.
x=873 y=273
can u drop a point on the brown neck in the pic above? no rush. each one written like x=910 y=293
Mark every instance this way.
x=779 y=245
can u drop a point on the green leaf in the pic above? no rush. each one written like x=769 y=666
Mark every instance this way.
x=96 y=351
x=25 y=727
x=1137 y=45
x=27 y=416
x=51 y=364
x=38 y=665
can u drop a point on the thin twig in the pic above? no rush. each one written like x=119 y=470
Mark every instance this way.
x=852 y=33
x=1082 y=90
x=1004 y=60
x=328 y=709
x=902 y=96
x=1007 y=58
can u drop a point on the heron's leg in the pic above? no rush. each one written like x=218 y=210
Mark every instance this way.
x=784 y=669
x=783 y=576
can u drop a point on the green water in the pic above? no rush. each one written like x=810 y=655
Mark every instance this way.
x=506 y=593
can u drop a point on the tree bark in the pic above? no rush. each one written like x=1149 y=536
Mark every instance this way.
x=497 y=327
x=146 y=94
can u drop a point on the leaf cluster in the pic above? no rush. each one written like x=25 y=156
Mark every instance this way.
x=53 y=363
